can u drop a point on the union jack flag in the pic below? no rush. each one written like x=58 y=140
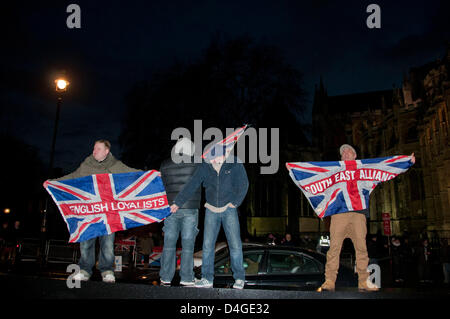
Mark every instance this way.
x=155 y=257
x=224 y=147
x=102 y=204
x=124 y=243
x=343 y=186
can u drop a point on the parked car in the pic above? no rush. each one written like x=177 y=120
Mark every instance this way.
x=198 y=255
x=219 y=251
x=278 y=267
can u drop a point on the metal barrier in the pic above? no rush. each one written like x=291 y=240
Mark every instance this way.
x=30 y=249
x=126 y=248
x=60 y=251
x=128 y=257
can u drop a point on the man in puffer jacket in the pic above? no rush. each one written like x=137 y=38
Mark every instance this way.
x=175 y=175
x=101 y=161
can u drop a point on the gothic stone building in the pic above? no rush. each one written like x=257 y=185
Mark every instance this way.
x=404 y=120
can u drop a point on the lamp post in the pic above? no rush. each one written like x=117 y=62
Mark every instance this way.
x=60 y=87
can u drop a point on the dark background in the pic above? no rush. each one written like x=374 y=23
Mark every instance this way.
x=139 y=69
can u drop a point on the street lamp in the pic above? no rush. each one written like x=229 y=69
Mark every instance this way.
x=61 y=85
x=7 y=210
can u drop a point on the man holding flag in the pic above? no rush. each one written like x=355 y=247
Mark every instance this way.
x=101 y=161
x=175 y=173
x=342 y=190
x=226 y=186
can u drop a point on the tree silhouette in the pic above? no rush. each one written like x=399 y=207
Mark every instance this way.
x=22 y=176
x=234 y=82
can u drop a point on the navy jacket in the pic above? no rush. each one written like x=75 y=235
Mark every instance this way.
x=229 y=186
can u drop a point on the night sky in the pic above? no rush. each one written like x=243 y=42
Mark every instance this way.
x=121 y=43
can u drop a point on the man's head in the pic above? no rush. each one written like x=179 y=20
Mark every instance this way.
x=185 y=146
x=347 y=152
x=220 y=153
x=101 y=150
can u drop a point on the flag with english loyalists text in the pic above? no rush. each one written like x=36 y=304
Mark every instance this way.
x=102 y=204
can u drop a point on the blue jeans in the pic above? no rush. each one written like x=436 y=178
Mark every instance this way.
x=184 y=221
x=230 y=221
x=105 y=255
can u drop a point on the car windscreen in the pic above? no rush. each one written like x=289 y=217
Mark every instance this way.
x=287 y=262
x=251 y=262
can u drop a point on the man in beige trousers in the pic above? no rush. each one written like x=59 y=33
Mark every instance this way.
x=348 y=225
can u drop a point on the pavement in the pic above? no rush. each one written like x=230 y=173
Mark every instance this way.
x=29 y=281
x=49 y=290
x=35 y=287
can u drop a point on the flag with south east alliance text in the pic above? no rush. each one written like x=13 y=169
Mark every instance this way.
x=102 y=204
x=343 y=186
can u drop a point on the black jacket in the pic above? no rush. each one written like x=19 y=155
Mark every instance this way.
x=175 y=177
x=7 y=235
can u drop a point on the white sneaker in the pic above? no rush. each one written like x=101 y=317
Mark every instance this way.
x=187 y=283
x=165 y=283
x=203 y=283
x=80 y=277
x=109 y=278
x=239 y=284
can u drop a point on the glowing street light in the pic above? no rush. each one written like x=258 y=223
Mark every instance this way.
x=7 y=210
x=61 y=85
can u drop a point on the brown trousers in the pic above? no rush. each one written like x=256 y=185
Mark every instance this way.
x=353 y=226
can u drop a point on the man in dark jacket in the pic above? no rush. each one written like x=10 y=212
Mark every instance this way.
x=101 y=161
x=424 y=261
x=445 y=260
x=374 y=249
x=6 y=242
x=226 y=186
x=175 y=176
x=398 y=259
